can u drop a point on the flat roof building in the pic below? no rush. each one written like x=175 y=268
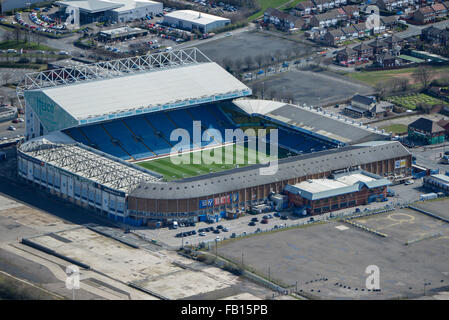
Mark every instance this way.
x=194 y=20
x=338 y=191
x=112 y=10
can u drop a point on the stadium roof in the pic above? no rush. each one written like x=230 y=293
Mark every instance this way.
x=58 y=150
x=126 y=87
x=247 y=177
x=322 y=123
x=98 y=98
x=195 y=16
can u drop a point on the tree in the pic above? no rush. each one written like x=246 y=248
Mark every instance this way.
x=6 y=77
x=249 y=61
x=238 y=64
x=17 y=33
x=423 y=75
x=259 y=60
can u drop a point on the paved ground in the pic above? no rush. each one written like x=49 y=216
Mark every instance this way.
x=241 y=45
x=439 y=207
x=330 y=262
x=162 y=272
x=431 y=157
x=315 y=88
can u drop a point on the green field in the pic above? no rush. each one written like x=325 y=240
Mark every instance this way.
x=412 y=101
x=396 y=128
x=172 y=171
x=265 y=4
x=374 y=77
x=13 y=44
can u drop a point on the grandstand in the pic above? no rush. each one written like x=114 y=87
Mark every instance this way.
x=100 y=136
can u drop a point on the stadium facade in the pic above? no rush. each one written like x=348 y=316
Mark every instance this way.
x=87 y=127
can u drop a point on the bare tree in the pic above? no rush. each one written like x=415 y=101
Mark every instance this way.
x=423 y=75
x=249 y=61
x=6 y=77
x=17 y=33
x=259 y=60
x=238 y=64
x=227 y=63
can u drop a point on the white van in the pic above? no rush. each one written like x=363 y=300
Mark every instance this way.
x=175 y=225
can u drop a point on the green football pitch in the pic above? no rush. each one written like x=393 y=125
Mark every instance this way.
x=172 y=171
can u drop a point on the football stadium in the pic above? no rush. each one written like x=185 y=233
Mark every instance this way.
x=106 y=136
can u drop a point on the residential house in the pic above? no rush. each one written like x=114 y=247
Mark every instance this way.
x=362 y=29
x=424 y=15
x=394 y=41
x=378 y=46
x=391 y=5
x=435 y=36
x=334 y=37
x=324 y=20
x=352 y=12
x=389 y=21
x=305 y=8
x=367 y=106
x=426 y=130
x=364 y=51
x=350 y=32
x=386 y=59
x=440 y=10
x=347 y=54
x=323 y=5
x=445 y=125
x=282 y=20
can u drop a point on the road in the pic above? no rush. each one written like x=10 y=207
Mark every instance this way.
x=414 y=30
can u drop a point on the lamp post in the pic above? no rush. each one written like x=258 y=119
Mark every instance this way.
x=216 y=246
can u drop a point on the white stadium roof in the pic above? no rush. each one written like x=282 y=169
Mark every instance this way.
x=140 y=90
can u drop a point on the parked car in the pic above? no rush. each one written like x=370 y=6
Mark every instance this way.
x=225 y=229
x=277 y=214
x=254 y=219
x=264 y=221
x=219 y=226
x=252 y=223
x=12 y=128
x=284 y=218
x=202 y=234
x=217 y=231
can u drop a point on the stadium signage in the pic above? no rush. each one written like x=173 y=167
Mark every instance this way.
x=214 y=202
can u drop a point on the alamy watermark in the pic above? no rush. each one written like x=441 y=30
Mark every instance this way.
x=73 y=19
x=256 y=152
x=373 y=280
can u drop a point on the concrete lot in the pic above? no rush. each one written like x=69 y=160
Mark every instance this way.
x=440 y=207
x=163 y=272
x=241 y=45
x=431 y=157
x=316 y=88
x=313 y=254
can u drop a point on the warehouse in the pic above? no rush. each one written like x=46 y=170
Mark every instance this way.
x=339 y=191
x=194 y=20
x=112 y=10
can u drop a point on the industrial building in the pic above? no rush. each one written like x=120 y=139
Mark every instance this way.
x=194 y=20
x=112 y=10
x=121 y=33
x=437 y=182
x=338 y=191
